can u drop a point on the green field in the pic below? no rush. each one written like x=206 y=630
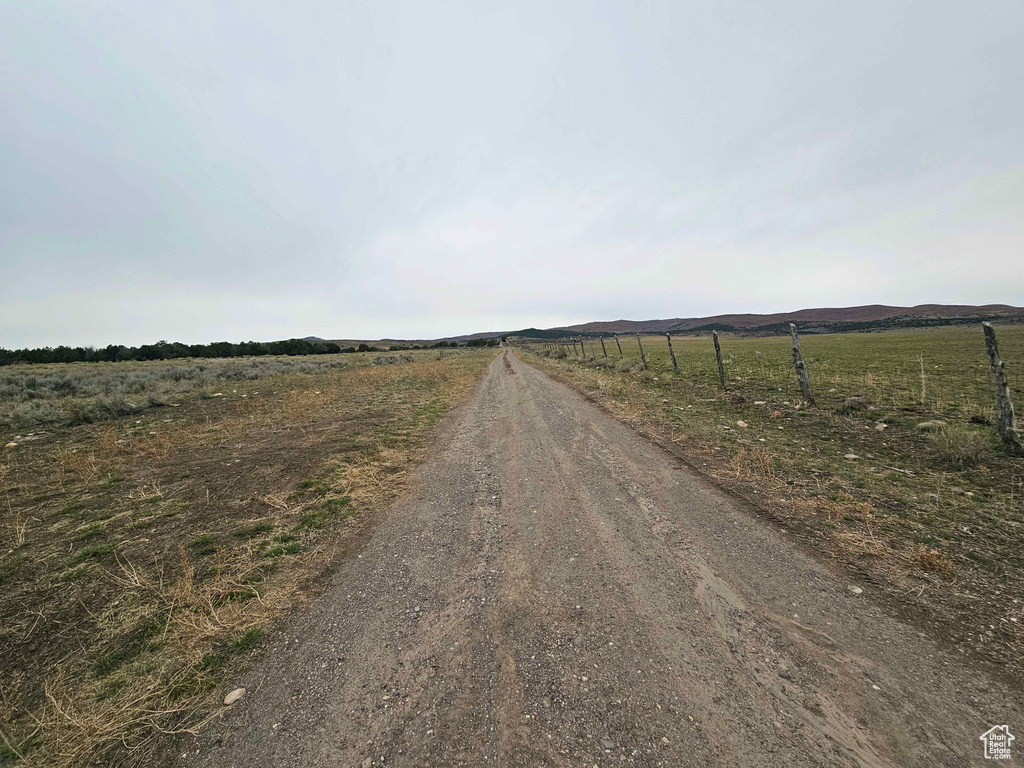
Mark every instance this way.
x=897 y=470
x=886 y=368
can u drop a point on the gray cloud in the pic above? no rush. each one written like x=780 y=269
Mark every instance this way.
x=259 y=170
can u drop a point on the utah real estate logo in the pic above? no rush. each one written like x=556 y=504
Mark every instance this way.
x=997 y=742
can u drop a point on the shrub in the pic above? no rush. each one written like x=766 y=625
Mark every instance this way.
x=959 y=444
x=392 y=359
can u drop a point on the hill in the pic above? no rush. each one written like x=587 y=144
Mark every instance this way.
x=821 y=320
x=871 y=317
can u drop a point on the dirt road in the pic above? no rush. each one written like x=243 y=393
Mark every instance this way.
x=558 y=591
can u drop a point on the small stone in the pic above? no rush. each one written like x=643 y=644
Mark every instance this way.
x=10 y=445
x=741 y=424
x=367 y=763
x=876 y=688
x=881 y=426
x=851 y=456
x=607 y=743
x=234 y=696
x=760 y=402
x=855 y=590
x=578 y=640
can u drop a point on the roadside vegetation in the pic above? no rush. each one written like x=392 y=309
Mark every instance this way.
x=34 y=396
x=897 y=470
x=144 y=548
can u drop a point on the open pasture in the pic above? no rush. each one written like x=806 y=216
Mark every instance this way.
x=897 y=469
x=943 y=372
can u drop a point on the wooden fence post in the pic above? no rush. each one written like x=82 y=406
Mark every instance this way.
x=718 y=357
x=643 y=358
x=602 y=346
x=801 y=369
x=593 y=354
x=675 y=365
x=618 y=345
x=1005 y=420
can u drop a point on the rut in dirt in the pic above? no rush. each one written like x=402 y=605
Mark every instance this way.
x=557 y=591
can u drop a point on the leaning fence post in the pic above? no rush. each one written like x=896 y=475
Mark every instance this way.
x=643 y=358
x=675 y=365
x=593 y=354
x=801 y=369
x=1006 y=423
x=602 y=346
x=618 y=345
x=718 y=357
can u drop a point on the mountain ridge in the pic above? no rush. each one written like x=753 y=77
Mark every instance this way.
x=868 y=317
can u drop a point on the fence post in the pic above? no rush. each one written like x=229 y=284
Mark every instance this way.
x=602 y=346
x=1005 y=421
x=618 y=345
x=675 y=365
x=718 y=357
x=593 y=354
x=801 y=369
x=643 y=358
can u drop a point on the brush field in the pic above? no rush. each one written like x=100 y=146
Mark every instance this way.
x=158 y=517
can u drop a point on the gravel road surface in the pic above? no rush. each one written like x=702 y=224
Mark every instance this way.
x=557 y=591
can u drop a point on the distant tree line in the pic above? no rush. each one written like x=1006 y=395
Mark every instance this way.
x=169 y=350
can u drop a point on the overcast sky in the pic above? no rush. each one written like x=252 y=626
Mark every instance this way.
x=204 y=170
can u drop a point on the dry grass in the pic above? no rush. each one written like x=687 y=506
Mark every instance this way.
x=154 y=551
x=927 y=498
